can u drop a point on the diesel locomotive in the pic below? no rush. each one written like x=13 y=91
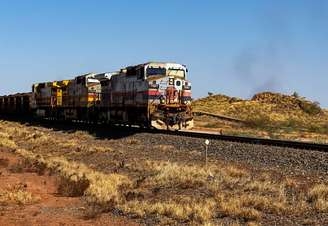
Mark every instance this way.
x=152 y=95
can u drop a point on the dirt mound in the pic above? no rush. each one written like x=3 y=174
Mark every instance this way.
x=288 y=102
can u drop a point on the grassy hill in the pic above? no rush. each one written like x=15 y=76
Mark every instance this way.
x=268 y=114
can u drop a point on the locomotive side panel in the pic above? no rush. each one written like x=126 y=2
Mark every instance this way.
x=152 y=94
x=127 y=103
x=47 y=99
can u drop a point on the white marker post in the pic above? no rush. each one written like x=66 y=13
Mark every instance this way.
x=207 y=142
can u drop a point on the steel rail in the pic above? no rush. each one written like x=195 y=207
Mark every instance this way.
x=185 y=133
x=250 y=140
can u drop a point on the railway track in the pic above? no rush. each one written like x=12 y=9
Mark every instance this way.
x=250 y=140
x=121 y=130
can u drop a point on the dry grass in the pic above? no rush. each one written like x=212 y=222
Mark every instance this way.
x=6 y=141
x=181 y=210
x=168 y=174
x=234 y=193
x=183 y=192
x=75 y=148
x=318 y=195
x=82 y=135
x=39 y=138
x=164 y=148
x=269 y=115
x=234 y=208
x=98 y=188
x=17 y=195
x=132 y=141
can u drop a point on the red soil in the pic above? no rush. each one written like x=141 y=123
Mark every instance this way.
x=52 y=209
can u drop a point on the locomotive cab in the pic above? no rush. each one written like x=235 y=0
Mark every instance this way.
x=170 y=102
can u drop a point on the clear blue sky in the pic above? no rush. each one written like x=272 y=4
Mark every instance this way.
x=231 y=47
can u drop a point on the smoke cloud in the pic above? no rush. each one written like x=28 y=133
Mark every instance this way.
x=259 y=69
x=261 y=66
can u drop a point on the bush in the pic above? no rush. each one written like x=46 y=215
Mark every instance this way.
x=261 y=121
x=310 y=108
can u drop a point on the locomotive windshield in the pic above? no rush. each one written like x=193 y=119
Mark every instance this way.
x=156 y=71
x=176 y=73
x=164 y=72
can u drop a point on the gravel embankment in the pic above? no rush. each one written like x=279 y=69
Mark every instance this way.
x=286 y=159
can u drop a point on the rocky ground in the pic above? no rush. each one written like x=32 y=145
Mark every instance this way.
x=164 y=179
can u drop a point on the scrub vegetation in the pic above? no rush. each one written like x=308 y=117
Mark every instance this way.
x=153 y=189
x=17 y=195
x=271 y=115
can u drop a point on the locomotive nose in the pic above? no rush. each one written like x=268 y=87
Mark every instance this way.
x=172 y=95
x=173 y=91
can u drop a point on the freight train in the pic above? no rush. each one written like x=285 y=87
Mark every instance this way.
x=152 y=95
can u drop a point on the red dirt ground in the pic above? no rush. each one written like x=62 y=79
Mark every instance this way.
x=52 y=209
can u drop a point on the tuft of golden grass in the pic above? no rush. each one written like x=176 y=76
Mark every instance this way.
x=17 y=195
x=132 y=141
x=82 y=134
x=318 y=195
x=6 y=141
x=166 y=173
x=234 y=210
x=107 y=191
x=181 y=210
x=98 y=188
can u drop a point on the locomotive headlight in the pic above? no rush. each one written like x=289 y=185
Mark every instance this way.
x=162 y=100
x=153 y=85
x=187 y=85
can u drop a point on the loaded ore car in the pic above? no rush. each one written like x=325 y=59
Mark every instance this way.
x=16 y=105
x=156 y=95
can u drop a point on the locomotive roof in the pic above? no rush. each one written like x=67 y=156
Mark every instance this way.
x=157 y=62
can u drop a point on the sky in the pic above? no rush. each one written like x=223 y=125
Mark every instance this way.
x=235 y=47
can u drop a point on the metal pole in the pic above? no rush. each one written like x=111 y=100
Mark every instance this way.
x=206 y=148
x=207 y=142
